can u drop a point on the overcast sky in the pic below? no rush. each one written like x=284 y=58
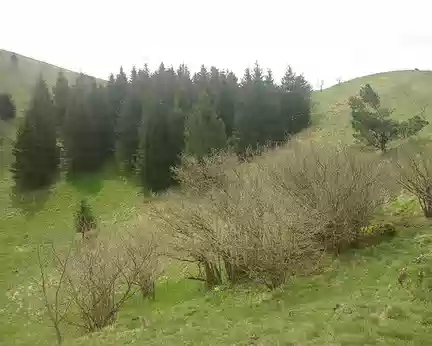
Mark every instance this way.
x=324 y=39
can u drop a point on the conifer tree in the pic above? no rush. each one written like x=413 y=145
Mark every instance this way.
x=295 y=102
x=84 y=218
x=35 y=149
x=204 y=131
x=134 y=75
x=161 y=136
x=60 y=98
x=7 y=107
x=372 y=123
x=129 y=121
x=83 y=127
x=256 y=119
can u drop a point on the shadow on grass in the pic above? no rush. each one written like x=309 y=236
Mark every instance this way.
x=30 y=203
x=87 y=184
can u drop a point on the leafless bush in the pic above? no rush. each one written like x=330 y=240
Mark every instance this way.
x=56 y=303
x=199 y=176
x=239 y=226
x=338 y=187
x=414 y=166
x=92 y=281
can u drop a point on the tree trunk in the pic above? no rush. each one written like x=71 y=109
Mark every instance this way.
x=426 y=203
x=212 y=275
x=382 y=144
x=58 y=334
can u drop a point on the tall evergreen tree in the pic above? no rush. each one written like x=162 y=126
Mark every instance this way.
x=226 y=101
x=295 y=102
x=204 y=131
x=104 y=131
x=256 y=119
x=82 y=132
x=161 y=137
x=134 y=75
x=60 y=98
x=7 y=107
x=129 y=121
x=35 y=149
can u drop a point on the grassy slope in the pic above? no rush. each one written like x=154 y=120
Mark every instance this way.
x=408 y=92
x=357 y=301
x=363 y=283
x=19 y=80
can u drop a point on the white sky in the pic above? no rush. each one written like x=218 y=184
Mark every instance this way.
x=324 y=39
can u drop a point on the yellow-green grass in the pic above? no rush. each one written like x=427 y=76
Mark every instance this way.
x=407 y=92
x=356 y=301
x=48 y=216
x=19 y=79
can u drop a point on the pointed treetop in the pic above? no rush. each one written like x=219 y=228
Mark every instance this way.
x=288 y=80
x=269 y=80
x=257 y=73
x=369 y=96
x=247 y=77
x=134 y=74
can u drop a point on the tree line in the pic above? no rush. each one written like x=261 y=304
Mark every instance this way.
x=148 y=119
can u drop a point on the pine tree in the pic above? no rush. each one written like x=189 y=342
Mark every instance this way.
x=7 y=107
x=204 y=131
x=104 y=131
x=86 y=124
x=256 y=121
x=35 y=149
x=161 y=136
x=161 y=143
x=226 y=101
x=372 y=123
x=129 y=121
x=84 y=218
x=60 y=98
x=121 y=88
x=295 y=102
x=134 y=75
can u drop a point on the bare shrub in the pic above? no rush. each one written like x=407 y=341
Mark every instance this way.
x=272 y=217
x=92 y=281
x=414 y=167
x=236 y=223
x=56 y=303
x=337 y=187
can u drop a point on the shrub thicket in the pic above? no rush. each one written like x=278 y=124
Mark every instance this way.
x=273 y=217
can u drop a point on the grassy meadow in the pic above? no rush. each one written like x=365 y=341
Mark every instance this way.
x=355 y=300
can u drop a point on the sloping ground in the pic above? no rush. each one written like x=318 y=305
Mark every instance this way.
x=408 y=92
x=357 y=301
x=18 y=79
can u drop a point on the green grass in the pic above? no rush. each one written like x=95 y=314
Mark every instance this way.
x=19 y=80
x=355 y=301
x=44 y=217
x=408 y=92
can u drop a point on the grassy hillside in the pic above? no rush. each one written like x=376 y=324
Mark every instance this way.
x=19 y=79
x=408 y=92
x=356 y=301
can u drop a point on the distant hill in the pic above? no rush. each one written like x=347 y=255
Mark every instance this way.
x=18 y=75
x=408 y=92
